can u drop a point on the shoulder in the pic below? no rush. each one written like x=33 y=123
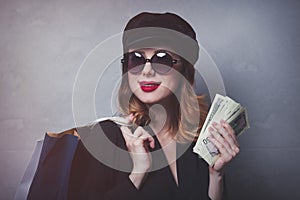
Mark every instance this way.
x=100 y=132
x=105 y=128
x=104 y=135
x=108 y=126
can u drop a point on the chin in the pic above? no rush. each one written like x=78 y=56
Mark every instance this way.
x=148 y=99
x=152 y=97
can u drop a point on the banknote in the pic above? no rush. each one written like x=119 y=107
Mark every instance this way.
x=222 y=108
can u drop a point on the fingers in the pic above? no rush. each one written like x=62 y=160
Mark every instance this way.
x=225 y=131
x=142 y=134
x=222 y=145
x=230 y=132
x=139 y=137
x=127 y=134
x=223 y=137
x=137 y=146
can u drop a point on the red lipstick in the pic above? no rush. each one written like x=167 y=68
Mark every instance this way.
x=149 y=86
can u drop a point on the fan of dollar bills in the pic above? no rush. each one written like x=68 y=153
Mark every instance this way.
x=222 y=108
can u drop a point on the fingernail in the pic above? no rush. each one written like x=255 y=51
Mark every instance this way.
x=214 y=124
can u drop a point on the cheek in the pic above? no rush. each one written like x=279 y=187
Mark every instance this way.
x=133 y=85
x=173 y=83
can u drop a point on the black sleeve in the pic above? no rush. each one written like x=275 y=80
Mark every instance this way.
x=225 y=190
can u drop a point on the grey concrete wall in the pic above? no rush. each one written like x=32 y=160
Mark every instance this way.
x=254 y=43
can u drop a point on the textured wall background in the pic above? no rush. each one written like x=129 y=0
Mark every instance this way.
x=254 y=43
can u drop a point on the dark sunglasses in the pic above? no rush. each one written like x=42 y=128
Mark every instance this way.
x=161 y=62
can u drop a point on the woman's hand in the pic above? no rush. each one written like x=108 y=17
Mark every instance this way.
x=224 y=138
x=138 y=144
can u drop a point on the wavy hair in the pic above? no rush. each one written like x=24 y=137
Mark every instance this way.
x=189 y=111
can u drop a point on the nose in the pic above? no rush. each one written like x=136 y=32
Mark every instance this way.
x=148 y=70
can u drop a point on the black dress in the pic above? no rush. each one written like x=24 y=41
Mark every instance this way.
x=68 y=171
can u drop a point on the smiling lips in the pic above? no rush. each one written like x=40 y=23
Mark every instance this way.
x=149 y=86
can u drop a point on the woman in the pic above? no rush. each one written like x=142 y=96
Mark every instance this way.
x=157 y=97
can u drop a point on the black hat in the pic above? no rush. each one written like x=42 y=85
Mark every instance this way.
x=163 y=20
x=161 y=29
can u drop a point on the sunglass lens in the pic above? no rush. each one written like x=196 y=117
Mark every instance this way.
x=162 y=62
x=136 y=62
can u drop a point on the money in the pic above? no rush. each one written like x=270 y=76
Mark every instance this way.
x=222 y=108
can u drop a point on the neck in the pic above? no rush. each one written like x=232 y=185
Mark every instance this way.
x=160 y=115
